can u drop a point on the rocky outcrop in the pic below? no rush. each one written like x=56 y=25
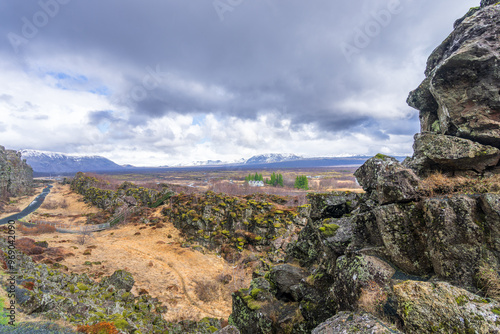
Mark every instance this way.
x=16 y=176
x=460 y=95
x=398 y=252
x=97 y=192
x=442 y=308
x=437 y=152
x=387 y=181
x=231 y=224
x=354 y=322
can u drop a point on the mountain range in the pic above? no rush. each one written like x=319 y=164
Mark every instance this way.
x=44 y=162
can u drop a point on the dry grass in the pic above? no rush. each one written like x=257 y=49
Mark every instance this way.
x=372 y=298
x=488 y=280
x=55 y=204
x=37 y=229
x=439 y=184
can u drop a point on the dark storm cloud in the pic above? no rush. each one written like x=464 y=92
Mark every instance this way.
x=265 y=55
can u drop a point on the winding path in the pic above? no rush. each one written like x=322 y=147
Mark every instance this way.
x=30 y=208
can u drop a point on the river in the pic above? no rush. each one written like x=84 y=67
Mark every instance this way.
x=30 y=208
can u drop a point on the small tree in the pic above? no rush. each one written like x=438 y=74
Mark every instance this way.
x=301 y=182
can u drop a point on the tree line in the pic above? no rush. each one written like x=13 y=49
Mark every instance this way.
x=277 y=180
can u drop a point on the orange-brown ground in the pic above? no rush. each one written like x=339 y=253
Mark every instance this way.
x=153 y=255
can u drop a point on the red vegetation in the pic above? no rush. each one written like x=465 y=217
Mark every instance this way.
x=99 y=328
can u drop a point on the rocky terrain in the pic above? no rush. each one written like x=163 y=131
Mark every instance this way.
x=404 y=258
x=16 y=176
x=418 y=252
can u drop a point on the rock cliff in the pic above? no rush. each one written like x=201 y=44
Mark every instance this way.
x=16 y=176
x=459 y=99
x=406 y=257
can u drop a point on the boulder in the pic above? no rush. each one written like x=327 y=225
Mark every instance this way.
x=355 y=322
x=449 y=154
x=403 y=235
x=456 y=237
x=331 y=205
x=285 y=277
x=358 y=275
x=228 y=330
x=120 y=279
x=460 y=95
x=387 y=180
x=442 y=308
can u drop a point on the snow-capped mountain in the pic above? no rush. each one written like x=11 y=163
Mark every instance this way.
x=272 y=158
x=211 y=163
x=58 y=163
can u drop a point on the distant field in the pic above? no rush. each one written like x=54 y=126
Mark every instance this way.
x=233 y=181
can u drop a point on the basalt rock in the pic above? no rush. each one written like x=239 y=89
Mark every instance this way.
x=437 y=152
x=387 y=181
x=442 y=308
x=355 y=322
x=460 y=95
x=16 y=176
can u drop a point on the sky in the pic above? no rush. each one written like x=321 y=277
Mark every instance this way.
x=164 y=82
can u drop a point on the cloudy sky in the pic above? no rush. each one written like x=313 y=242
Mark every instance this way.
x=161 y=82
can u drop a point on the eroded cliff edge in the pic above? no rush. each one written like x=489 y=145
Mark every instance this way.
x=16 y=176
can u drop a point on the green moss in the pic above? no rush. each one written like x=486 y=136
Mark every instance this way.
x=381 y=156
x=329 y=230
x=496 y=310
x=462 y=300
x=255 y=292
x=121 y=324
x=82 y=287
x=212 y=329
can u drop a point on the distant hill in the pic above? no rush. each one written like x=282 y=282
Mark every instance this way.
x=44 y=162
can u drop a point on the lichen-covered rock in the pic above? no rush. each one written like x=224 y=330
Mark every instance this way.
x=331 y=205
x=230 y=224
x=459 y=96
x=387 y=180
x=447 y=153
x=285 y=277
x=355 y=322
x=16 y=176
x=321 y=242
x=228 y=330
x=455 y=237
x=442 y=308
x=251 y=315
x=120 y=279
x=402 y=231
x=355 y=275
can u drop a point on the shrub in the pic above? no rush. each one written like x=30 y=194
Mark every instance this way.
x=207 y=291
x=488 y=280
x=99 y=328
x=37 y=229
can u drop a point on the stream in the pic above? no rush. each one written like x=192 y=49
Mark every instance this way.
x=30 y=208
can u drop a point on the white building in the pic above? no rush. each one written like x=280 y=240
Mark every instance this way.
x=256 y=183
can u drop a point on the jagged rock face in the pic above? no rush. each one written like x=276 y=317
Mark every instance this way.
x=387 y=181
x=460 y=95
x=442 y=308
x=446 y=153
x=351 y=322
x=16 y=177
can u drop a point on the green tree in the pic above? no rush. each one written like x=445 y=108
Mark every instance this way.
x=280 y=180
x=301 y=182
